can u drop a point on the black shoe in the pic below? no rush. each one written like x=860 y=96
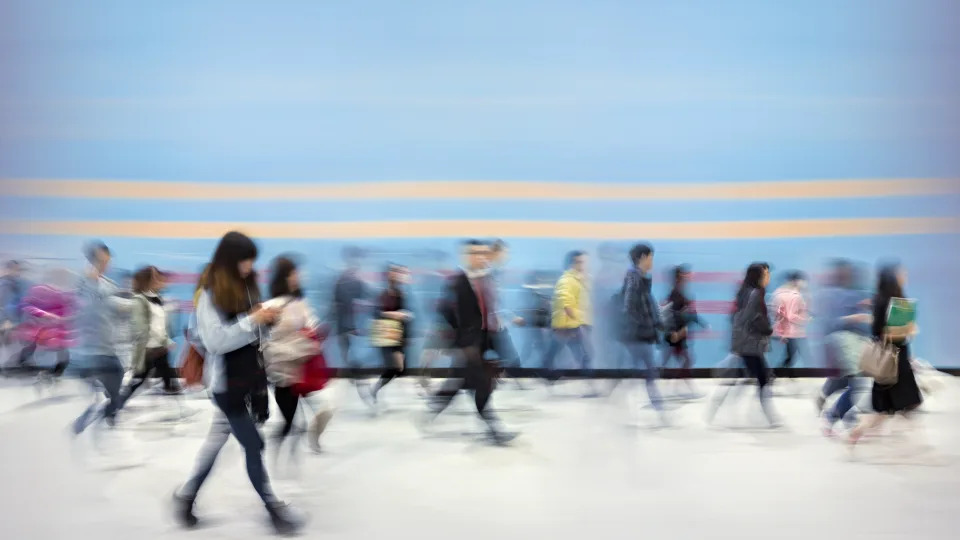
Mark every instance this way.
x=283 y=519
x=183 y=511
x=502 y=438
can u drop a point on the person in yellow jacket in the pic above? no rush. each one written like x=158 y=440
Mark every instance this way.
x=572 y=316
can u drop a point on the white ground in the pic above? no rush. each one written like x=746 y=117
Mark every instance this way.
x=581 y=468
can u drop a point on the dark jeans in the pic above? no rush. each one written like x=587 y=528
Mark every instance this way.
x=537 y=340
x=478 y=377
x=573 y=339
x=241 y=426
x=108 y=371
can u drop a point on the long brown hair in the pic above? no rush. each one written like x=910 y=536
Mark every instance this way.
x=143 y=279
x=231 y=293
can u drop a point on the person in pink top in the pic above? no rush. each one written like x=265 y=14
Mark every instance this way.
x=791 y=317
x=47 y=310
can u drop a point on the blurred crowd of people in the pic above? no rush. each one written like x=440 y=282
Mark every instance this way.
x=244 y=346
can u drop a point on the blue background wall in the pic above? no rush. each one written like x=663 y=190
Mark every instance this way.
x=638 y=93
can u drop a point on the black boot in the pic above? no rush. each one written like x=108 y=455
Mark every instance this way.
x=501 y=438
x=283 y=519
x=183 y=511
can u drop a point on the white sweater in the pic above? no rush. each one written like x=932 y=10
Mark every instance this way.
x=287 y=348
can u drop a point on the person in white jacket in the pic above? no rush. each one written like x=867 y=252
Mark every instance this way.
x=290 y=345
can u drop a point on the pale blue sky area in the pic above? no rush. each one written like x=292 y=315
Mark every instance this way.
x=558 y=90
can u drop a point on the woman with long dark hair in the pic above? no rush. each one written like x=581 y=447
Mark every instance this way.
x=230 y=323
x=393 y=326
x=751 y=333
x=903 y=396
x=290 y=346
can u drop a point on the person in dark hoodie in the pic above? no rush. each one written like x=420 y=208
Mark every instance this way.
x=393 y=307
x=640 y=321
x=751 y=333
x=230 y=323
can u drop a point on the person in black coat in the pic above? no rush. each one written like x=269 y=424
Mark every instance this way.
x=681 y=313
x=393 y=305
x=468 y=310
x=751 y=336
x=903 y=396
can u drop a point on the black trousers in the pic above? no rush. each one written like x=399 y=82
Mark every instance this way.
x=287 y=401
x=479 y=377
x=758 y=369
x=29 y=350
x=156 y=362
x=681 y=352
x=391 y=369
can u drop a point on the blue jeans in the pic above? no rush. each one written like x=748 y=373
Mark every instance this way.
x=241 y=426
x=506 y=352
x=642 y=354
x=852 y=387
x=573 y=339
x=109 y=372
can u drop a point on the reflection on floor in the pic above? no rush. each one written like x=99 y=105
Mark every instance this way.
x=580 y=467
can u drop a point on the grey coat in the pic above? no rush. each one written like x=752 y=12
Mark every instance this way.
x=751 y=325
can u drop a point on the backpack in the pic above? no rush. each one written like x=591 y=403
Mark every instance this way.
x=615 y=314
x=542 y=310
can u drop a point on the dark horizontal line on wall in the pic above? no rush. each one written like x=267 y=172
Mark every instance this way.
x=697 y=373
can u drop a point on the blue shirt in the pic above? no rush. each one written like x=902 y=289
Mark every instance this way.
x=97 y=312
x=838 y=303
x=12 y=291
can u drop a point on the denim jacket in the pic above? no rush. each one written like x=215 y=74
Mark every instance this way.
x=98 y=310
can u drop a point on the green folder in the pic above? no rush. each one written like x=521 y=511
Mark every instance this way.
x=902 y=312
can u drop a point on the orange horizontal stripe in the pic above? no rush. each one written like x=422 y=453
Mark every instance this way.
x=691 y=230
x=470 y=189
